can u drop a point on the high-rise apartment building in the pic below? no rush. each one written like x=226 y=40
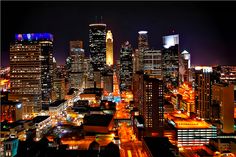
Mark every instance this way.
x=109 y=48
x=31 y=64
x=97 y=45
x=126 y=67
x=76 y=71
x=152 y=63
x=142 y=46
x=170 y=60
x=223 y=94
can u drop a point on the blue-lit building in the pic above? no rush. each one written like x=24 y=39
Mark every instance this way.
x=97 y=45
x=126 y=67
x=31 y=65
x=10 y=147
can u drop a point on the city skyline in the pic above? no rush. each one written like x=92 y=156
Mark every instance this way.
x=205 y=33
x=140 y=79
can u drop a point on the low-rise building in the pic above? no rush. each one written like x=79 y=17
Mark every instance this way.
x=9 y=147
x=57 y=107
x=191 y=132
x=42 y=124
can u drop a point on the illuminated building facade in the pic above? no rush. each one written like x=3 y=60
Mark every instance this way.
x=109 y=48
x=223 y=94
x=77 y=64
x=153 y=111
x=59 y=88
x=11 y=111
x=89 y=73
x=170 y=60
x=228 y=74
x=97 y=45
x=190 y=132
x=152 y=63
x=42 y=124
x=186 y=98
x=203 y=80
x=142 y=46
x=126 y=67
x=31 y=64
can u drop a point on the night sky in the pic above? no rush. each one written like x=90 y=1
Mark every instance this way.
x=207 y=29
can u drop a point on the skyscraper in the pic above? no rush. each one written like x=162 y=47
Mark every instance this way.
x=109 y=48
x=153 y=111
x=135 y=57
x=152 y=63
x=31 y=64
x=142 y=46
x=97 y=45
x=126 y=67
x=77 y=64
x=203 y=91
x=184 y=66
x=170 y=60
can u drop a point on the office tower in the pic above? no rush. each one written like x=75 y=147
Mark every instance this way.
x=142 y=46
x=31 y=64
x=59 y=88
x=223 y=94
x=135 y=57
x=126 y=67
x=77 y=64
x=170 y=60
x=152 y=63
x=153 y=111
x=89 y=73
x=202 y=85
x=97 y=45
x=109 y=48
x=184 y=66
x=54 y=69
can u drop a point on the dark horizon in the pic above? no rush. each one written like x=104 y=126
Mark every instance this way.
x=206 y=29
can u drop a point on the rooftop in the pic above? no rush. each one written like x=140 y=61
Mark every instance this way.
x=39 y=119
x=182 y=121
x=57 y=103
x=158 y=146
x=97 y=120
x=34 y=37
